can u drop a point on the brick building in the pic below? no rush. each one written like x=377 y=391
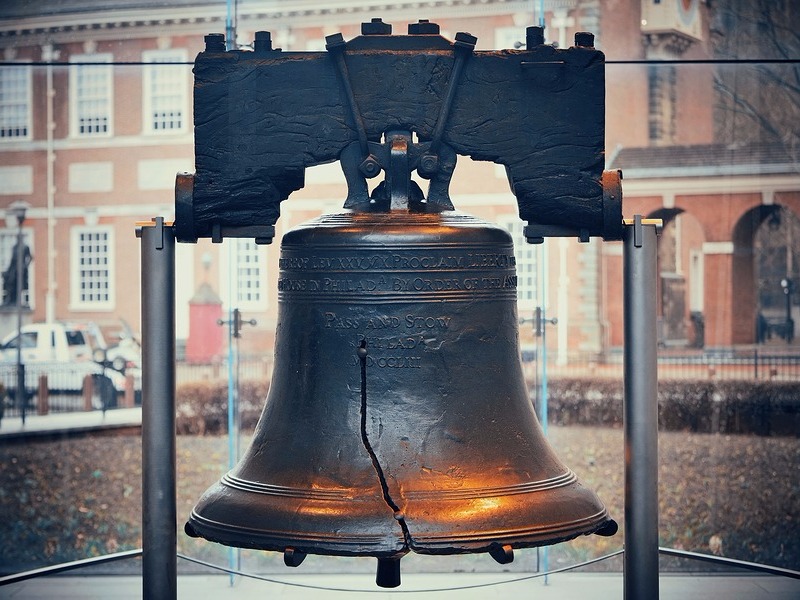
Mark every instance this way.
x=96 y=119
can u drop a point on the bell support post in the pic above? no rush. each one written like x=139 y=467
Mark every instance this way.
x=159 y=503
x=640 y=409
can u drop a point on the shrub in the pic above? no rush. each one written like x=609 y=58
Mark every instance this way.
x=202 y=407
x=701 y=406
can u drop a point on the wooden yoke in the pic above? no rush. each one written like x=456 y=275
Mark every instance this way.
x=261 y=117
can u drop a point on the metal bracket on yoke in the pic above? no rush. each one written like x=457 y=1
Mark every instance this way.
x=433 y=160
x=637 y=222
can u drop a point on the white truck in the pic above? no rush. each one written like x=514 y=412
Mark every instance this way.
x=65 y=352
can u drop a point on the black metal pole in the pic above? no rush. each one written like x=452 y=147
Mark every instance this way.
x=22 y=396
x=640 y=412
x=159 y=509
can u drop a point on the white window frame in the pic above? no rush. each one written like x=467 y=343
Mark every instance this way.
x=106 y=95
x=77 y=301
x=7 y=105
x=176 y=82
x=506 y=38
x=8 y=240
x=244 y=276
x=527 y=259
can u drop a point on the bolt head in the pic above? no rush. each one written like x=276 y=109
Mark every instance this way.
x=428 y=164
x=370 y=167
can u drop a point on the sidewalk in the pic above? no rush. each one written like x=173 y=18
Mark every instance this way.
x=73 y=423
x=563 y=586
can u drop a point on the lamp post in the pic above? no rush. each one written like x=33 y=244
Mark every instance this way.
x=17 y=210
x=788 y=287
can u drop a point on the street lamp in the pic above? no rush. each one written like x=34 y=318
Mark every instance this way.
x=788 y=287
x=17 y=211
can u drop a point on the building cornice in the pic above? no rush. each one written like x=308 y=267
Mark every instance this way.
x=203 y=18
x=699 y=186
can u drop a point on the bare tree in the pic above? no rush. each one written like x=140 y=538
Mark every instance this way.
x=757 y=101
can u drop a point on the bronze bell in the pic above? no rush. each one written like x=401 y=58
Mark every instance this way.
x=398 y=418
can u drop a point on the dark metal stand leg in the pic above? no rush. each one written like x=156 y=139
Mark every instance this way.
x=641 y=413
x=159 y=510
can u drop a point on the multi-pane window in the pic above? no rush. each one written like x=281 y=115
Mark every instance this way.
x=250 y=269
x=15 y=102
x=8 y=263
x=165 y=95
x=527 y=267
x=91 y=87
x=92 y=268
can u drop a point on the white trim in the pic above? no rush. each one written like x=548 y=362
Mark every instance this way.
x=134 y=211
x=696 y=281
x=90 y=177
x=711 y=185
x=527 y=263
x=612 y=249
x=129 y=141
x=669 y=200
x=230 y=259
x=73 y=91
x=727 y=170
x=76 y=303
x=506 y=38
x=159 y=173
x=17 y=180
x=497 y=199
x=180 y=73
x=718 y=248
x=28 y=103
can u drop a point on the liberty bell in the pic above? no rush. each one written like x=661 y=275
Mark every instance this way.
x=398 y=417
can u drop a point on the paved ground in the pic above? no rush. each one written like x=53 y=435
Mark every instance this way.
x=74 y=422
x=564 y=586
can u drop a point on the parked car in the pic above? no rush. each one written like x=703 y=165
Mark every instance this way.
x=65 y=353
x=126 y=354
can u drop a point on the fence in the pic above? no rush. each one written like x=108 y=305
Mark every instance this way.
x=719 y=363
x=248 y=368
x=64 y=388
x=59 y=388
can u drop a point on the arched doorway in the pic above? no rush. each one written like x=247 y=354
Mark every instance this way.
x=681 y=280
x=776 y=269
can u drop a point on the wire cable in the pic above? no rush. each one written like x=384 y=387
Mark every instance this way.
x=372 y=590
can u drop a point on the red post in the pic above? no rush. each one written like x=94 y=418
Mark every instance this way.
x=88 y=392
x=42 y=397
x=128 y=400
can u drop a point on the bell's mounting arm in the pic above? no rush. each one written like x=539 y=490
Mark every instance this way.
x=262 y=117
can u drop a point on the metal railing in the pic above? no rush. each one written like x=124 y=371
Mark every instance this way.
x=64 y=387
x=753 y=363
x=56 y=388
x=250 y=368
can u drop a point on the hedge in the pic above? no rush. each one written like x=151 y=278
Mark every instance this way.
x=701 y=406
x=202 y=407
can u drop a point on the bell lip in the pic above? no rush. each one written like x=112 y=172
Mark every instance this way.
x=337 y=544
x=375 y=546
x=519 y=539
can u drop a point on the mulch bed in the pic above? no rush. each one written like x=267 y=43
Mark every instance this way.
x=733 y=495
